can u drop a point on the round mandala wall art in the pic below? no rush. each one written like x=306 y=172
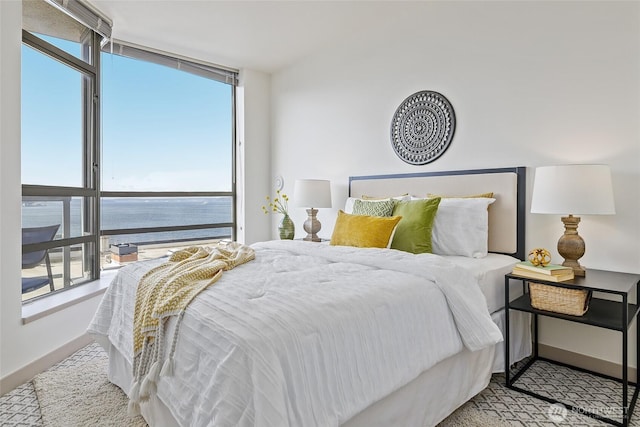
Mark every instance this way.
x=422 y=127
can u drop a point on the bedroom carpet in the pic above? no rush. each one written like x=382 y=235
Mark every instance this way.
x=76 y=392
x=82 y=397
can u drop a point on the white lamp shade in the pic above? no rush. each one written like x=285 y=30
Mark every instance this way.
x=573 y=189
x=312 y=193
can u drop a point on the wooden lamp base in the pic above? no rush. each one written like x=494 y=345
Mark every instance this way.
x=571 y=246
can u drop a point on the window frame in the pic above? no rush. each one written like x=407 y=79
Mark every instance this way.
x=89 y=192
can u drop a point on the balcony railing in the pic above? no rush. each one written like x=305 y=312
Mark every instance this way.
x=68 y=271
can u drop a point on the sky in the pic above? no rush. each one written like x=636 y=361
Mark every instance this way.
x=162 y=129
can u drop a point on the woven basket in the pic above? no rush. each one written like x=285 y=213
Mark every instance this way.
x=574 y=302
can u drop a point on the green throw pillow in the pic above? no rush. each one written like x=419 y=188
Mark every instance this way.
x=413 y=233
x=373 y=207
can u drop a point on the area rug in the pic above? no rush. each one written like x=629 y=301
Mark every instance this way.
x=80 y=395
x=470 y=416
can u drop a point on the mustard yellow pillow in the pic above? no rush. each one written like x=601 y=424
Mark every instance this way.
x=363 y=231
x=474 y=196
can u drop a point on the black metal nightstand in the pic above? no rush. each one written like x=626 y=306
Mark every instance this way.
x=615 y=315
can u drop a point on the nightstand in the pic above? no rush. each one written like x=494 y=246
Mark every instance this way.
x=603 y=313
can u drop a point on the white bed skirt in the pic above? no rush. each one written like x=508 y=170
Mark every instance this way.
x=519 y=338
x=425 y=401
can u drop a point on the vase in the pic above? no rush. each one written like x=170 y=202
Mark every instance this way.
x=286 y=228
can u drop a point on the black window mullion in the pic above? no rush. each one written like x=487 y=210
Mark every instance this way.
x=91 y=221
x=29 y=190
x=57 y=54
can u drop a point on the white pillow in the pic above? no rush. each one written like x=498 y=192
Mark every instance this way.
x=461 y=227
x=348 y=205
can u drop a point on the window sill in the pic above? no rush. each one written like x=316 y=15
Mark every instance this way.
x=35 y=310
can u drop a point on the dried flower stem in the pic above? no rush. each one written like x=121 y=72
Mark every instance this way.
x=279 y=204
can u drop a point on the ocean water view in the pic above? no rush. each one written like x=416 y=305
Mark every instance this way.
x=129 y=213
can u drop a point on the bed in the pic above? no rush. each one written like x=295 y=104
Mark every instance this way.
x=317 y=334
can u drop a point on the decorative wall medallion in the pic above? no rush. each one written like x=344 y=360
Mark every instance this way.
x=278 y=182
x=422 y=127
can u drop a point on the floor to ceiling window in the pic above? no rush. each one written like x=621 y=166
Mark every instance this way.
x=126 y=154
x=167 y=152
x=60 y=69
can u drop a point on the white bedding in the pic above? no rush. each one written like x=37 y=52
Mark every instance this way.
x=307 y=334
x=489 y=272
x=423 y=402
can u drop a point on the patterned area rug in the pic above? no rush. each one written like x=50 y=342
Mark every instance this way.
x=582 y=390
x=468 y=415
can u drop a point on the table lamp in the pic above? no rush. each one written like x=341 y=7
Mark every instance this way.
x=572 y=189
x=312 y=194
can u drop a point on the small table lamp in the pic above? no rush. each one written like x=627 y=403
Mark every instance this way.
x=312 y=194
x=572 y=189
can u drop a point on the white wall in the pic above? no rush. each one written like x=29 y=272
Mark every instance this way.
x=253 y=155
x=532 y=84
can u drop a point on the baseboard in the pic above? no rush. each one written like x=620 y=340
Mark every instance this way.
x=27 y=373
x=586 y=362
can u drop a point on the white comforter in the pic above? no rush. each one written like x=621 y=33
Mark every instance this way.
x=307 y=334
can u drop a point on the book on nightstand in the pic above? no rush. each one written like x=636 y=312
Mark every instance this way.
x=552 y=273
x=550 y=269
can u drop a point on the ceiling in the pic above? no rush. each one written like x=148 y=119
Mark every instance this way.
x=260 y=35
